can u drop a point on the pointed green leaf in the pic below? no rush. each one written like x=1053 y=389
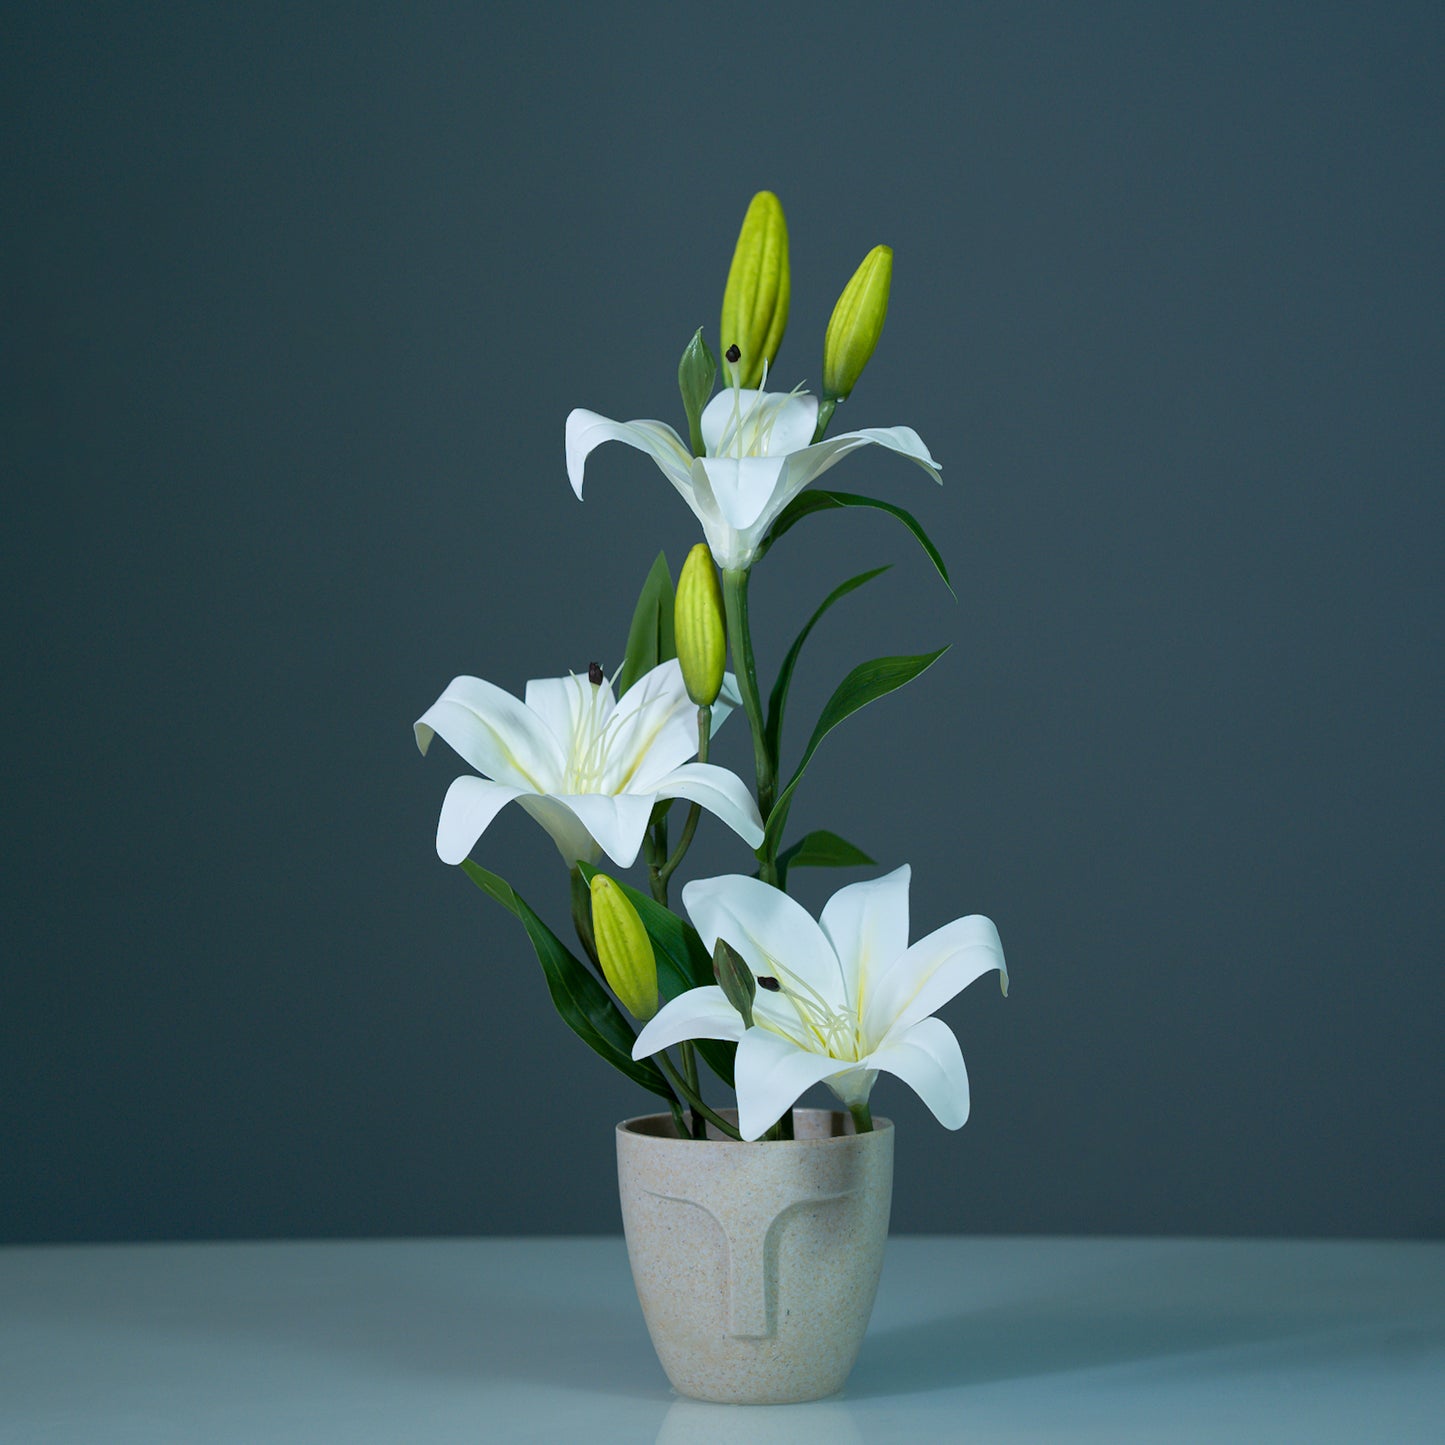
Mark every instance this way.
x=650 y=637
x=779 y=698
x=867 y=682
x=682 y=963
x=735 y=979
x=583 y=1003
x=818 y=499
x=822 y=849
x=493 y=887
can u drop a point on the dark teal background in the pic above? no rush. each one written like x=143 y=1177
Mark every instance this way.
x=296 y=303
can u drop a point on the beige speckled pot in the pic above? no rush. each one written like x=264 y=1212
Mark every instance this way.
x=756 y=1264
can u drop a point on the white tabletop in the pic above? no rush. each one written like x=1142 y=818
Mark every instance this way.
x=542 y=1340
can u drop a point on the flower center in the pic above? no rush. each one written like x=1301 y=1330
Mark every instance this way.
x=826 y=1029
x=597 y=734
x=593 y=733
x=748 y=433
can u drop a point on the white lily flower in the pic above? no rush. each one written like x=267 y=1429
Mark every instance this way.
x=758 y=458
x=587 y=767
x=852 y=998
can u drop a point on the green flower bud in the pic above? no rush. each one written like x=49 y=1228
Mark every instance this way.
x=755 y=303
x=623 y=948
x=696 y=373
x=736 y=979
x=699 y=627
x=857 y=323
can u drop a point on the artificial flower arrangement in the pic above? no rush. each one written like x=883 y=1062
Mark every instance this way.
x=772 y=999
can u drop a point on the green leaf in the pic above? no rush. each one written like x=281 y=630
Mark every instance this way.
x=493 y=887
x=818 y=499
x=583 y=1003
x=867 y=682
x=779 y=697
x=822 y=849
x=682 y=963
x=650 y=638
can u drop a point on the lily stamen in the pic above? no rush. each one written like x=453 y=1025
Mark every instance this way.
x=836 y=1030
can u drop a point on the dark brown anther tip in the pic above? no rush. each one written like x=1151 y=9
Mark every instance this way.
x=734 y=353
x=771 y=984
x=594 y=674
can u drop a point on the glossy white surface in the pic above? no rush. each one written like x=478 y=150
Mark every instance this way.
x=992 y=1340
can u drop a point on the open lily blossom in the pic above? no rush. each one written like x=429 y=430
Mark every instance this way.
x=840 y=999
x=759 y=456
x=586 y=766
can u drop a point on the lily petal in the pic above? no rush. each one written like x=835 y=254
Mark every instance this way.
x=661 y=734
x=742 y=487
x=813 y=461
x=806 y=466
x=653 y=730
x=467 y=811
x=730 y=548
x=775 y=934
x=771 y=1073
x=765 y=423
x=586 y=431
x=722 y=793
x=617 y=821
x=559 y=702
x=495 y=733
x=928 y=1059
x=867 y=924
x=700 y=1013
x=725 y=702
x=564 y=827
x=930 y=973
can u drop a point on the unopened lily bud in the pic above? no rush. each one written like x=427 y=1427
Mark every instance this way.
x=755 y=302
x=699 y=627
x=623 y=948
x=857 y=323
x=735 y=979
x=696 y=373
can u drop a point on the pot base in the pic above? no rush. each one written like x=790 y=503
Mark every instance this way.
x=756 y=1264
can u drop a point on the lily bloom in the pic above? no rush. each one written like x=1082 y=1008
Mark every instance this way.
x=839 y=1000
x=759 y=456
x=586 y=766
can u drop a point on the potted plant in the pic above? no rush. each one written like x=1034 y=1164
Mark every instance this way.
x=756 y=1233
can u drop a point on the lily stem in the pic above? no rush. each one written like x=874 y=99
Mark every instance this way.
x=582 y=918
x=825 y=415
x=862 y=1117
x=654 y=850
x=704 y=735
x=678 y=1122
x=696 y=1104
x=782 y=1130
x=735 y=604
x=688 y=1052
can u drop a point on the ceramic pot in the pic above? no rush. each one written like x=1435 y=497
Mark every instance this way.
x=756 y=1264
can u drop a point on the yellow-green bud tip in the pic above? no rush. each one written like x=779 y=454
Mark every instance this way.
x=755 y=302
x=623 y=948
x=699 y=627
x=857 y=323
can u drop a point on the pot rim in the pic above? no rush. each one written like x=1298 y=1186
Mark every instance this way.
x=881 y=1125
